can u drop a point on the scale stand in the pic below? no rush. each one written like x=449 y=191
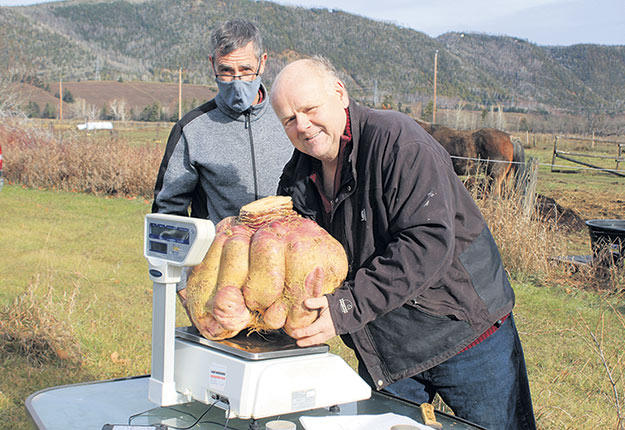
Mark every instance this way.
x=171 y=243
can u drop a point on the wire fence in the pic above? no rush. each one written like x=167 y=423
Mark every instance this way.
x=484 y=160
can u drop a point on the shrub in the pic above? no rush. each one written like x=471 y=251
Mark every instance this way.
x=33 y=328
x=78 y=162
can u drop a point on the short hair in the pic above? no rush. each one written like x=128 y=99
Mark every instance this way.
x=326 y=69
x=235 y=34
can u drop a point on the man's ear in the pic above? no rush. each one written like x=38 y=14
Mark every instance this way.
x=210 y=58
x=263 y=61
x=341 y=91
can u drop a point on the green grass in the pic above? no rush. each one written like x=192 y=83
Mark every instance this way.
x=87 y=251
x=574 y=176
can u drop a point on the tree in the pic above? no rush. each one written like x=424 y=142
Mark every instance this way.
x=118 y=109
x=151 y=112
x=428 y=112
x=32 y=110
x=78 y=109
x=388 y=102
x=48 y=111
x=67 y=96
x=9 y=98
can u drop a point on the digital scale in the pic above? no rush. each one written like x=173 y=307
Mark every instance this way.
x=250 y=376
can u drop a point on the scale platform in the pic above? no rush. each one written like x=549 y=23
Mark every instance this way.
x=252 y=345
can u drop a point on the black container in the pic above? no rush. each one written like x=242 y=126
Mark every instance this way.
x=607 y=240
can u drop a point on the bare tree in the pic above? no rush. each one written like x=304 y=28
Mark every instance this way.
x=92 y=112
x=500 y=122
x=119 y=109
x=460 y=117
x=78 y=109
x=10 y=100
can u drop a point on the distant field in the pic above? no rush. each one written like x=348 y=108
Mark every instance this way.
x=137 y=94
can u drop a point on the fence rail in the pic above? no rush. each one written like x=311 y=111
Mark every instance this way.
x=566 y=155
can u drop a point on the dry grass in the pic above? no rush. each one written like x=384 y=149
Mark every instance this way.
x=526 y=242
x=612 y=386
x=38 y=328
x=97 y=164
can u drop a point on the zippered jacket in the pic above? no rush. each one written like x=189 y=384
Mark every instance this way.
x=425 y=275
x=218 y=160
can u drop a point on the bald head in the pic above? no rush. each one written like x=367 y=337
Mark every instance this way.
x=315 y=70
x=310 y=102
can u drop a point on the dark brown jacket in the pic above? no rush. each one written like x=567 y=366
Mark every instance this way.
x=426 y=277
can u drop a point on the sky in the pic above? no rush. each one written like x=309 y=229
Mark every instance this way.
x=544 y=22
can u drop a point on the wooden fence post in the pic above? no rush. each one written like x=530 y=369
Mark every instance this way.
x=555 y=152
x=531 y=179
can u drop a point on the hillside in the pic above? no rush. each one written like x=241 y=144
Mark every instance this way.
x=150 y=40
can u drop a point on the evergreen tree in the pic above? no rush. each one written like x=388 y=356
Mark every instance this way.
x=48 y=111
x=67 y=96
x=428 y=112
x=32 y=110
x=151 y=112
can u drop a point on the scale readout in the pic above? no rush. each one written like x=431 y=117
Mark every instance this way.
x=169 y=233
x=177 y=240
x=169 y=240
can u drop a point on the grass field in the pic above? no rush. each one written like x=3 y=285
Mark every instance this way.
x=73 y=264
x=84 y=254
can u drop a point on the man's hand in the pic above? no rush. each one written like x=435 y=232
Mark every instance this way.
x=319 y=331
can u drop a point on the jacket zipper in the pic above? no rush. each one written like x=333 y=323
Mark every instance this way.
x=248 y=125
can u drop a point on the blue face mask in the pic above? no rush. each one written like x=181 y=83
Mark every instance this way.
x=239 y=94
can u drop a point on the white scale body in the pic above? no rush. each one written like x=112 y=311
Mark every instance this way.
x=253 y=376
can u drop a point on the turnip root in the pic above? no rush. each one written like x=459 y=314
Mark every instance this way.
x=260 y=268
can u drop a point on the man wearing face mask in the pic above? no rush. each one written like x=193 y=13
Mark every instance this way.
x=231 y=150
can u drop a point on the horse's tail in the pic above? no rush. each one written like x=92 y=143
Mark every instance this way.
x=518 y=164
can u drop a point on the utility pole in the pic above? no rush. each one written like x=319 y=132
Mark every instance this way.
x=61 y=99
x=435 y=70
x=179 y=93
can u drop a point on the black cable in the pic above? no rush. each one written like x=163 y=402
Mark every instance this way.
x=227 y=416
x=132 y=417
x=197 y=420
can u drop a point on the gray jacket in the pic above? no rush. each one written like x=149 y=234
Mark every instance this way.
x=218 y=160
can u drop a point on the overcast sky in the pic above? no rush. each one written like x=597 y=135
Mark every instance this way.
x=545 y=22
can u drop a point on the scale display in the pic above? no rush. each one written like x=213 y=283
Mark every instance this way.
x=177 y=240
x=170 y=241
x=169 y=233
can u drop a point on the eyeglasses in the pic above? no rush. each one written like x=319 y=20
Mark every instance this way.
x=228 y=77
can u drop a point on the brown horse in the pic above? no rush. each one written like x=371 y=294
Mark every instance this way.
x=484 y=150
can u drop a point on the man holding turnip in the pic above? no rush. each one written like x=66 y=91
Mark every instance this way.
x=426 y=305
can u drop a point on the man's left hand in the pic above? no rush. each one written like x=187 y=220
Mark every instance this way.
x=319 y=331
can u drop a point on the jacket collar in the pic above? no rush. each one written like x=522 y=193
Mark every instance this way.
x=355 y=115
x=256 y=110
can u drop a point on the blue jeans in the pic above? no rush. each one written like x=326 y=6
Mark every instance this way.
x=486 y=384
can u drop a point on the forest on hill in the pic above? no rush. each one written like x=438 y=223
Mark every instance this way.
x=150 y=40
